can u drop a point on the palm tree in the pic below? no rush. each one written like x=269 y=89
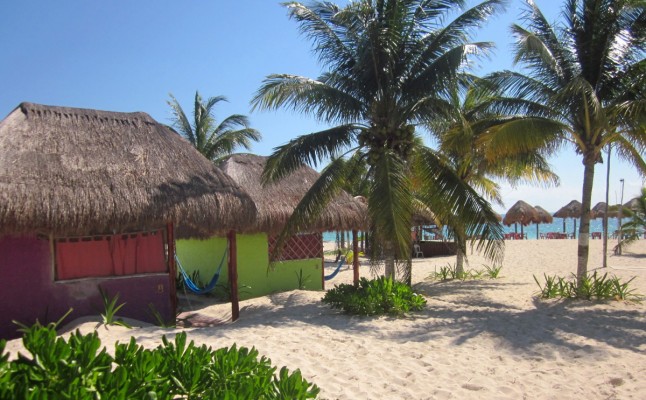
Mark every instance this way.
x=463 y=120
x=636 y=226
x=385 y=60
x=213 y=140
x=584 y=86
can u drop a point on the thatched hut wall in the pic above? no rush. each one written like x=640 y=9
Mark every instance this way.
x=301 y=263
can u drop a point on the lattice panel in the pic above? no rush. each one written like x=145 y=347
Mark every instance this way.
x=299 y=247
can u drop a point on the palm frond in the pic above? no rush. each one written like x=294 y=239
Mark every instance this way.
x=453 y=200
x=306 y=96
x=180 y=121
x=310 y=149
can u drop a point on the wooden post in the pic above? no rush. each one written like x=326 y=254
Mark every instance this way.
x=322 y=264
x=355 y=258
x=233 y=275
x=172 y=269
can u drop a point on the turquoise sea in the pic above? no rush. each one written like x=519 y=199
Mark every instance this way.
x=530 y=230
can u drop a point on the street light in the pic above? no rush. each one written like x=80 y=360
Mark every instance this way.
x=621 y=207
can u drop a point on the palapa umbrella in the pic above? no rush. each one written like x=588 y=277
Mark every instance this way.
x=632 y=204
x=521 y=213
x=543 y=217
x=570 y=210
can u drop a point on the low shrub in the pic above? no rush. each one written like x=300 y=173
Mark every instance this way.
x=450 y=272
x=78 y=368
x=375 y=297
x=593 y=287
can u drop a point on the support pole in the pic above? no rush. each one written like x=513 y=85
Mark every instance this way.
x=355 y=258
x=233 y=275
x=322 y=265
x=172 y=269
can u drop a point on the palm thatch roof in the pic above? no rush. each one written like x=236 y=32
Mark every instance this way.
x=570 y=210
x=544 y=217
x=71 y=171
x=276 y=201
x=599 y=210
x=521 y=213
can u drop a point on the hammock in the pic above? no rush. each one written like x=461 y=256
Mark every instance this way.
x=194 y=287
x=337 y=269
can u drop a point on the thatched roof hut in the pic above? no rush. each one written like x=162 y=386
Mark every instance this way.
x=521 y=213
x=276 y=201
x=570 y=210
x=544 y=217
x=73 y=171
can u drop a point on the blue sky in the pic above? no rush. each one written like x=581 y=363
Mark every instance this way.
x=128 y=56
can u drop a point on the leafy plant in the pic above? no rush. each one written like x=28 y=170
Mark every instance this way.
x=590 y=287
x=79 y=368
x=493 y=272
x=302 y=281
x=451 y=272
x=159 y=318
x=375 y=297
x=110 y=309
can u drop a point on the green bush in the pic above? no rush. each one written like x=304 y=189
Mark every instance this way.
x=79 y=368
x=375 y=297
x=450 y=272
x=592 y=287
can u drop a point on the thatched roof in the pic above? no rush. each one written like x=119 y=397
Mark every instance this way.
x=276 y=202
x=570 y=210
x=599 y=210
x=521 y=213
x=544 y=217
x=73 y=171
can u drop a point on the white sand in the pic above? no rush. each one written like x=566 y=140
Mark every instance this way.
x=486 y=339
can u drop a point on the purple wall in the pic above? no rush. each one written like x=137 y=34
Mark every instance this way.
x=28 y=291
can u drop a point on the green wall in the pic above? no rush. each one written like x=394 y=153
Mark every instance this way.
x=255 y=276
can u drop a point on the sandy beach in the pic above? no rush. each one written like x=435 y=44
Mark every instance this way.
x=479 y=339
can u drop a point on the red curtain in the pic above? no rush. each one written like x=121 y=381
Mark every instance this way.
x=110 y=256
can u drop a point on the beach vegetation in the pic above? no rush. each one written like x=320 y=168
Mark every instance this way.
x=110 y=309
x=636 y=225
x=582 y=85
x=375 y=297
x=79 y=368
x=386 y=62
x=451 y=272
x=302 y=280
x=591 y=287
x=213 y=140
x=493 y=271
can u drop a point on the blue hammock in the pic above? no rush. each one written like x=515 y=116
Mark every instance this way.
x=338 y=268
x=192 y=286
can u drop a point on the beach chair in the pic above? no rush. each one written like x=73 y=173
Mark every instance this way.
x=417 y=251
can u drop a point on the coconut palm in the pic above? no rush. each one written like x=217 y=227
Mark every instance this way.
x=584 y=86
x=636 y=226
x=213 y=140
x=463 y=119
x=386 y=60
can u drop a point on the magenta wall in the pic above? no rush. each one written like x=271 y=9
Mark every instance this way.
x=28 y=291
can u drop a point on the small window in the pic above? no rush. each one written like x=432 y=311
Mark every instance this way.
x=299 y=247
x=110 y=255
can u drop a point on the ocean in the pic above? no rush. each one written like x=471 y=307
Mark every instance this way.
x=530 y=230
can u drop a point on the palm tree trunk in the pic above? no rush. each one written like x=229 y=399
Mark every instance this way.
x=389 y=259
x=584 y=228
x=460 y=244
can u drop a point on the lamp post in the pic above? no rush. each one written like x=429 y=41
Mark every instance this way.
x=621 y=207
